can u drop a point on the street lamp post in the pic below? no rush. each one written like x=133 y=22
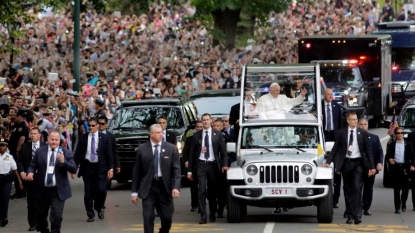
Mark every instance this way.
x=11 y=27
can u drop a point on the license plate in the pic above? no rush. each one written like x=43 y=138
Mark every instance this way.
x=279 y=192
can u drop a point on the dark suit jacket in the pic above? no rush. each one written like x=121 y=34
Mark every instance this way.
x=186 y=148
x=339 y=150
x=409 y=156
x=376 y=148
x=143 y=172
x=105 y=156
x=114 y=149
x=233 y=117
x=218 y=145
x=25 y=156
x=337 y=116
x=171 y=137
x=39 y=165
x=229 y=135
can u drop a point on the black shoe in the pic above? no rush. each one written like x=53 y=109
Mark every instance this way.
x=100 y=214
x=336 y=206
x=349 y=220
x=220 y=215
x=90 y=219
x=202 y=221
x=403 y=208
x=367 y=212
x=277 y=210
x=193 y=209
x=212 y=218
x=397 y=211
x=357 y=220
x=4 y=222
x=32 y=229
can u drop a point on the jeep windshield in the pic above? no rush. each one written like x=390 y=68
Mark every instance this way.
x=279 y=137
x=407 y=118
x=342 y=78
x=142 y=117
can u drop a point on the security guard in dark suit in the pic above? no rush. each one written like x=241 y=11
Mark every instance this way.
x=8 y=166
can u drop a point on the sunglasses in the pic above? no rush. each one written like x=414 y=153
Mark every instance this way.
x=102 y=123
x=91 y=125
x=399 y=133
x=1 y=145
x=224 y=121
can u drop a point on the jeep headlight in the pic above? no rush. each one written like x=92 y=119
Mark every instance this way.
x=306 y=169
x=411 y=86
x=353 y=101
x=252 y=170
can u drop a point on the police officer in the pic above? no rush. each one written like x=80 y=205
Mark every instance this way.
x=8 y=166
x=19 y=135
x=99 y=107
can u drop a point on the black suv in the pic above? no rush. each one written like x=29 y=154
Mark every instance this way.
x=132 y=120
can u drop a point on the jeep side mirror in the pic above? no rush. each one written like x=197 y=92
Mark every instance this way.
x=231 y=147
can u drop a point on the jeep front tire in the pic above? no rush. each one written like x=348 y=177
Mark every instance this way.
x=325 y=204
x=236 y=209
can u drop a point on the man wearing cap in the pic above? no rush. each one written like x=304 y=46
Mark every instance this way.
x=19 y=135
x=25 y=157
x=99 y=107
x=388 y=14
x=274 y=106
x=229 y=83
x=8 y=167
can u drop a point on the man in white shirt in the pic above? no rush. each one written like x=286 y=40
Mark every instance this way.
x=274 y=106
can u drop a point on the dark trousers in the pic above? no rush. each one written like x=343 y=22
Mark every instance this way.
x=400 y=183
x=222 y=192
x=352 y=173
x=194 y=192
x=160 y=199
x=5 y=189
x=95 y=189
x=30 y=203
x=50 y=200
x=337 y=183
x=208 y=175
x=368 y=182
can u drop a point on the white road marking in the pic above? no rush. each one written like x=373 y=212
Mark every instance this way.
x=385 y=138
x=269 y=227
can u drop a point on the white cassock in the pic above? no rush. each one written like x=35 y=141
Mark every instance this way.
x=269 y=107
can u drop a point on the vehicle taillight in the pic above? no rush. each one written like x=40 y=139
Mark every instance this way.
x=362 y=57
x=353 y=61
x=394 y=67
x=308 y=45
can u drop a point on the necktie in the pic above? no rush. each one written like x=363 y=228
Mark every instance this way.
x=156 y=160
x=328 y=119
x=49 y=180
x=93 y=148
x=207 y=145
x=350 y=142
x=34 y=150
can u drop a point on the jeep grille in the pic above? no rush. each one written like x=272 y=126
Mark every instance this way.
x=279 y=174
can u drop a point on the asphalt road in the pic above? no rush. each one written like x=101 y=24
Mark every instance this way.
x=122 y=216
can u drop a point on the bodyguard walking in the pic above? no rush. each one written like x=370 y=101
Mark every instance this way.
x=49 y=171
x=156 y=179
x=369 y=181
x=352 y=158
x=208 y=157
x=401 y=158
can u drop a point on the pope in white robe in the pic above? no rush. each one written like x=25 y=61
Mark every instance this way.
x=275 y=106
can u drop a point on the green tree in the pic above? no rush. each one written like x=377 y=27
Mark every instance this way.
x=226 y=15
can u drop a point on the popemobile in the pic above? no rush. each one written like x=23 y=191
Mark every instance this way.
x=281 y=144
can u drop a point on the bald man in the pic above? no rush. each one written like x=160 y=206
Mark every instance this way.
x=274 y=106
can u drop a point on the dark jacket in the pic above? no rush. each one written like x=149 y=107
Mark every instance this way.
x=25 y=156
x=409 y=156
x=336 y=111
x=376 y=149
x=39 y=165
x=143 y=172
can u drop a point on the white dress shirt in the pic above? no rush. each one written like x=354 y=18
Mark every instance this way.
x=159 y=174
x=47 y=166
x=211 y=154
x=164 y=135
x=88 y=149
x=269 y=107
x=328 y=107
x=355 y=151
x=37 y=146
x=7 y=163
